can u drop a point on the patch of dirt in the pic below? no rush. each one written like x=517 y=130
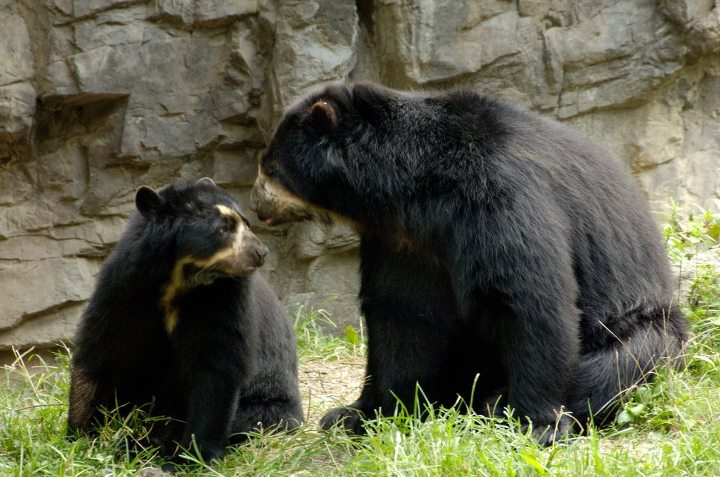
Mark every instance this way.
x=325 y=384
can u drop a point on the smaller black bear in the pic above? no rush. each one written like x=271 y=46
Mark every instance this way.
x=178 y=319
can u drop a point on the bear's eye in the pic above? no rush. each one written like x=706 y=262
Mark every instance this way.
x=228 y=225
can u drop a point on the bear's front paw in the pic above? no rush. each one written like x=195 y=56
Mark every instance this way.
x=164 y=434
x=549 y=434
x=348 y=418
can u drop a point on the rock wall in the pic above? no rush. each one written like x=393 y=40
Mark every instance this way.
x=100 y=96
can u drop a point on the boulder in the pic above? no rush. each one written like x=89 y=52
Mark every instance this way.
x=98 y=97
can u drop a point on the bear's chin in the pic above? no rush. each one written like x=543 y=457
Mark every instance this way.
x=207 y=278
x=287 y=214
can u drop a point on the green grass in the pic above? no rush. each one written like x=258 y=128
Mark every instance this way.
x=314 y=343
x=671 y=427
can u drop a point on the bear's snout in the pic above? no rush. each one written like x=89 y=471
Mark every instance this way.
x=274 y=205
x=264 y=204
x=258 y=254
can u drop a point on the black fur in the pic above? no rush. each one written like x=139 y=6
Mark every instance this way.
x=494 y=242
x=227 y=366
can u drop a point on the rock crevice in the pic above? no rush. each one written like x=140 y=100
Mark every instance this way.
x=98 y=97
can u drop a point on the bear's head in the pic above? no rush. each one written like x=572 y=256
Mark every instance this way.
x=201 y=229
x=326 y=154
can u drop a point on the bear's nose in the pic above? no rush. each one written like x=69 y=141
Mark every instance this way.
x=260 y=254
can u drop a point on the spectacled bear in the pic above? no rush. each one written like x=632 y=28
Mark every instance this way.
x=179 y=319
x=494 y=243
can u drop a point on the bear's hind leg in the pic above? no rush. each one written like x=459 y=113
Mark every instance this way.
x=604 y=375
x=262 y=415
x=85 y=399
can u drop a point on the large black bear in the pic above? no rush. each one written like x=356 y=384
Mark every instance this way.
x=494 y=242
x=178 y=318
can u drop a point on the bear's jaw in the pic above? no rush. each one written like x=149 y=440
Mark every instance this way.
x=274 y=204
x=190 y=273
x=237 y=259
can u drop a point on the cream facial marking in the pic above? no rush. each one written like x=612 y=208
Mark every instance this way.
x=225 y=210
x=178 y=284
x=278 y=192
x=285 y=200
x=237 y=244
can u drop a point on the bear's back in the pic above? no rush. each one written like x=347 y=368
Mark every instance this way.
x=617 y=250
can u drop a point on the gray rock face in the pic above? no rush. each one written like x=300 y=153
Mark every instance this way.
x=100 y=96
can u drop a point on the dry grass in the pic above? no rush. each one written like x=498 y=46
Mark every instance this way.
x=329 y=383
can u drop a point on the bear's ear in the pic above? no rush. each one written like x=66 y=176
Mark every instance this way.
x=206 y=181
x=371 y=102
x=323 y=116
x=147 y=201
